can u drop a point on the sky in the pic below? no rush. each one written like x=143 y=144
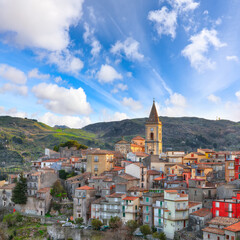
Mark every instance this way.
x=76 y=62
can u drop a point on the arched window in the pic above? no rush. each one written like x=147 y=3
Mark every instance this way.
x=151 y=135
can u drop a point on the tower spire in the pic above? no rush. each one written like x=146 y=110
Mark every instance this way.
x=153 y=117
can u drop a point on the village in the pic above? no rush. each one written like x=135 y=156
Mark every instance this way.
x=193 y=195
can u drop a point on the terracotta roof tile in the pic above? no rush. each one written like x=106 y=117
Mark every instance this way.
x=224 y=221
x=202 y=212
x=130 y=198
x=192 y=204
x=85 y=188
x=234 y=227
x=213 y=230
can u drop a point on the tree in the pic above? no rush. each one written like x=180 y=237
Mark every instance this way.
x=145 y=230
x=131 y=226
x=63 y=174
x=79 y=221
x=19 y=195
x=160 y=236
x=58 y=190
x=96 y=223
x=12 y=219
x=115 y=222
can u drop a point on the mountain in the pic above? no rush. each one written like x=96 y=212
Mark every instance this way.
x=185 y=133
x=25 y=139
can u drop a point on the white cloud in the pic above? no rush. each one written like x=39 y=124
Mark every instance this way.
x=213 y=98
x=9 y=87
x=12 y=74
x=165 y=21
x=108 y=74
x=177 y=99
x=232 y=58
x=199 y=47
x=89 y=38
x=130 y=48
x=62 y=100
x=205 y=12
x=132 y=104
x=34 y=73
x=70 y=121
x=13 y=112
x=59 y=80
x=42 y=24
x=65 y=61
x=237 y=94
x=120 y=87
x=106 y=116
x=184 y=5
x=129 y=74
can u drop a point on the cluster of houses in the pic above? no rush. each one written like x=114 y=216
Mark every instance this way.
x=182 y=194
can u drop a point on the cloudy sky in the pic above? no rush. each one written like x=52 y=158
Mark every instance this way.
x=77 y=62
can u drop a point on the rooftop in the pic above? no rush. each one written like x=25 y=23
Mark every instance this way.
x=213 y=230
x=130 y=198
x=234 y=227
x=223 y=221
x=202 y=212
x=85 y=188
x=193 y=204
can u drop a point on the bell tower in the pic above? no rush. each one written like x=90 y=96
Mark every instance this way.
x=153 y=133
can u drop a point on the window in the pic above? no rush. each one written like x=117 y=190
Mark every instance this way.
x=217 y=213
x=208 y=235
x=123 y=214
x=147 y=199
x=147 y=209
x=217 y=204
x=95 y=158
x=232 y=238
x=151 y=136
x=227 y=236
x=159 y=212
x=159 y=221
x=147 y=218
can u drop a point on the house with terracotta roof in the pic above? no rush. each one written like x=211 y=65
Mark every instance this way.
x=148 y=200
x=199 y=218
x=139 y=171
x=130 y=209
x=193 y=157
x=232 y=232
x=82 y=200
x=106 y=207
x=219 y=228
x=6 y=195
x=175 y=212
x=99 y=161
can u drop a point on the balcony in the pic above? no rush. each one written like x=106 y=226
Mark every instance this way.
x=145 y=203
x=182 y=209
x=175 y=218
x=95 y=169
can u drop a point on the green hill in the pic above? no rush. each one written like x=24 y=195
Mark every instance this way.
x=186 y=133
x=25 y=139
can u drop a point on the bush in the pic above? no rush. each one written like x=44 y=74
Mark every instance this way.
x=12 y=219
x=96 y=223
x=160 y=236
x=115 y=222
x=79 y=221
x=131 y=226
x=145 y=230
x=63 y=174
x=57 y=189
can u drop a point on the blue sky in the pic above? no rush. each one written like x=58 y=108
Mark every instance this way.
x=75 y=62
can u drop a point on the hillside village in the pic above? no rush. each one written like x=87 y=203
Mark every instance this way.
x=193 y=195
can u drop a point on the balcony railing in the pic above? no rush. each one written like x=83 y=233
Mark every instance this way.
x=175 y=218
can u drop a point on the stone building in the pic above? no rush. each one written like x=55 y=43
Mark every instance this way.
x=82 y=202
x=153 y=142
x=6 y=195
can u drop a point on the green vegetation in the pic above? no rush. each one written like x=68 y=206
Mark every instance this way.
x=64 y=175
x=131 y=226
x=58 y=191
x=145 y=230
x=115 y=222
x=18 y=227
x=19 y=195
x=69 y=144
x=79 y=221
x=96 y=224
x=160 y=236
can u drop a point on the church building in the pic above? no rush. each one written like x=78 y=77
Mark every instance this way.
x=153 y=133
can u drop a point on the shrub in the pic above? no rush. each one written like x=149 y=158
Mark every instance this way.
x=79 y=221
x=131 y=226
x=115 y=222
x=19 y=195
x=145 y=230
x=12 y=219
x=96 y=223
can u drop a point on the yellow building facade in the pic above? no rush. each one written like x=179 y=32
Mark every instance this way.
x=100 y=161
x=153 y=133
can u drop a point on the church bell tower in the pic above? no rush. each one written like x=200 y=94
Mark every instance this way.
x=153 y=134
